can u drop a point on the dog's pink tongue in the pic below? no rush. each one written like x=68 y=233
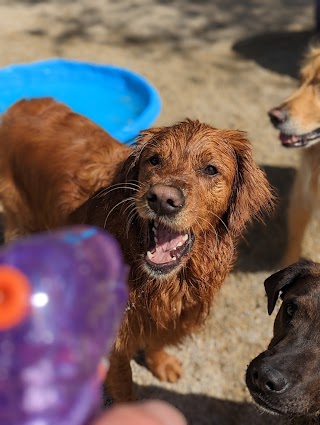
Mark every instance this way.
x=167 y=240
x=288 y=139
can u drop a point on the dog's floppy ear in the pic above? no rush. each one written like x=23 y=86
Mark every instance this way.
x=252 y=194
x=281 y=280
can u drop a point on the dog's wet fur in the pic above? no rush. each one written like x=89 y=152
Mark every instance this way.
x=177 y=203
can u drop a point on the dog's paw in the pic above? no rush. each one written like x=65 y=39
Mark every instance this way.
x=164 y=366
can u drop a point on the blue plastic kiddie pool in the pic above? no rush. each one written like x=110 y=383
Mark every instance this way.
x=119 y=100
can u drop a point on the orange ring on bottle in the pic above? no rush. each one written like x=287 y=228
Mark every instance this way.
x=15 y=293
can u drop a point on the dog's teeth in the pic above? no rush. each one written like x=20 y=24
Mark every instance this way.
x=179 y=244
x=185 y=237
x=149 y=255
x=154 y=230
x=156 y=239
x=173 y=258
x=156 y=224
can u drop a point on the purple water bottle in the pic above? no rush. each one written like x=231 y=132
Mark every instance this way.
x=62 y=297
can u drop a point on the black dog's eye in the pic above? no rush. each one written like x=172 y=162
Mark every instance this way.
x=290 y=309
x=154 y=160
x=210 y=170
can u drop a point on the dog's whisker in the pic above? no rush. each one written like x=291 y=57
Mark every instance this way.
x=131 y=204
x=118 y=186
x=116 y=206
x=131 y=208
x=126 y=184
x=210 y=226
x=222 y=222
x=131 y=216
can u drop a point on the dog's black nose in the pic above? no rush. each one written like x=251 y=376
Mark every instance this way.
x=267 y=379
x=277 y=116
x=165 y=200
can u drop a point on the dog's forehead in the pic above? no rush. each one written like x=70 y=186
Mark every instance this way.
x=305 y=289
x=311 y=64
x=209 y=142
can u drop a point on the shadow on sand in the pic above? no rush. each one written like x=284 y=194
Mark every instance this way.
x=281 y=52
x=200 y=409
x=264 y=243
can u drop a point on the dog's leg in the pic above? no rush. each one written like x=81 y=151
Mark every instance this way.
x=119 y=378
x=164 y=366
x=299 y=214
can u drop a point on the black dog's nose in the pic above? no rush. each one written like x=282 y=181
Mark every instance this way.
x=267 y=379
x=277 y=116
x=165 y=200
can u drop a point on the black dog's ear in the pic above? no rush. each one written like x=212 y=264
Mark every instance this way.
x=281 y=280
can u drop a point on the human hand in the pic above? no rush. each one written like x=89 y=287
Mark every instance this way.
x=153 y=412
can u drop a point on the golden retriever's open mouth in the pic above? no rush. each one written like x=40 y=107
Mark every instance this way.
x=297 y=141
x=167 y=247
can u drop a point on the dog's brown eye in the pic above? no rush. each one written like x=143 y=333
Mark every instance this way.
x=154 y=160
x=290 y=309
x=210 y=170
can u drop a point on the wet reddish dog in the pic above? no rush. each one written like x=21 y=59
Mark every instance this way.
x=177 y=203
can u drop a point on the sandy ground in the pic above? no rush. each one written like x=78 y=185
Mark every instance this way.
x=226 y=63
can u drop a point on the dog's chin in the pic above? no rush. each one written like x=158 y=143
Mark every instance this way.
x=283 y=409
x=302 y=140
x=168 y=249
x=266 y=406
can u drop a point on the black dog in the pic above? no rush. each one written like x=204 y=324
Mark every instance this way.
x=285 y=379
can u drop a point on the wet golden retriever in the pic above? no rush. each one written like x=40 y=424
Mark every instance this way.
x=298 y=119
x=177 y=203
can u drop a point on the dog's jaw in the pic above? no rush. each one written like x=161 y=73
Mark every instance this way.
x=261 y=405
x=284 y=409
x=293 y=135
x=168 y=249
x=302 y=140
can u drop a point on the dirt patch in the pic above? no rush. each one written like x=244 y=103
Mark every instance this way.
x=222 y=62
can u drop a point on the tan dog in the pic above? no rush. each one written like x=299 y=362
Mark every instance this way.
x=177 y=204
x=298 y=119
